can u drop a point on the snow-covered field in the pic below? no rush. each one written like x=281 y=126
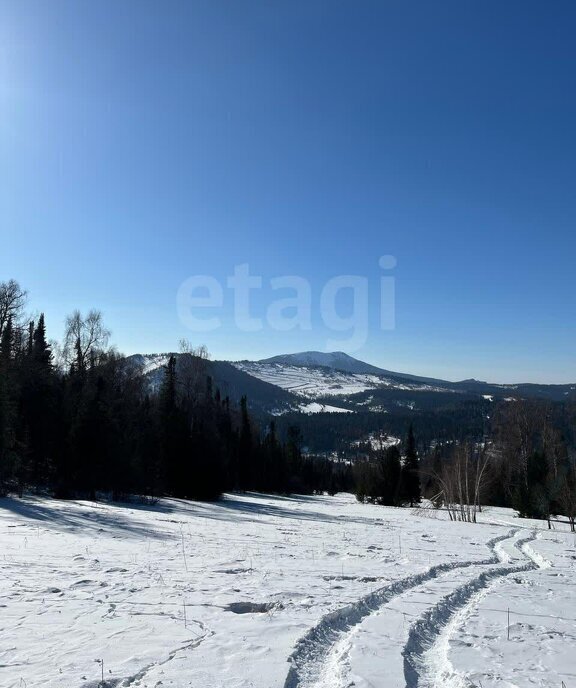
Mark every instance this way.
x=315 y=407
x=270 y=592
x=315 y=382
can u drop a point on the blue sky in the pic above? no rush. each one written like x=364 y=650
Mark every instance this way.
x=145 y=142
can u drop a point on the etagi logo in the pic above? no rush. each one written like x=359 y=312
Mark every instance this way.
x=295 y=311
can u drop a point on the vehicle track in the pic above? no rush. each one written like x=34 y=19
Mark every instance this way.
x=426 y=660
x=321 y=647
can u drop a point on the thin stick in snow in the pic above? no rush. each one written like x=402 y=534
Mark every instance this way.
x=183 y=549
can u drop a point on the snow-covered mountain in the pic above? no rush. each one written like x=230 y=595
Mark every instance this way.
x=336 y=377
x=336 y=360
x=314 y=381
x=338 y=381
x=318 y=382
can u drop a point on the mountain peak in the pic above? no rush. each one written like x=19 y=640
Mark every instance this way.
x=337 y=360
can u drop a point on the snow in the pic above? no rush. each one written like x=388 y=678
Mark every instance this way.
x=149 y=363
x=542 y=608
x=153 y=363
x=334 y=359
x=270 y=592
x=310 y=382
x=313 y=382
x=377 y=441
x=310 y=408
x=315 y=407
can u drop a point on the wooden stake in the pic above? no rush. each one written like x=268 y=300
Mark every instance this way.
x=183 y=549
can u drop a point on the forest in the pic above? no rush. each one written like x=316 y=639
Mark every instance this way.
x=525 y=460
x=78 y=420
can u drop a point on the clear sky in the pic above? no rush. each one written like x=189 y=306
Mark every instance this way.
x=143 y=142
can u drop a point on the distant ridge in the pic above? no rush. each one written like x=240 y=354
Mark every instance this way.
x=338 y=360
x=316 y=381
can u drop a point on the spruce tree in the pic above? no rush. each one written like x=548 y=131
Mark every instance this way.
x=8 y=457
x=145 y=463
x=245 y=448
x=272 y=474
x=410 y=479
x=6 y=418
x=40 y=347
x=30 y=337
x=389 y=477
x=41 y=404
x=173 y=434
x=92 y=440
x=294 y=460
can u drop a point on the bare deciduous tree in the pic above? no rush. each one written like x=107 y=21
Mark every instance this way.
x=567 y=492
x=192 y=370
x=462 y=482
x=85 y=338
x=518 y=433
x=12 y=302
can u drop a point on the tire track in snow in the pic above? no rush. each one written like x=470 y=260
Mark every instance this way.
x=426 y=653
x=321 y=648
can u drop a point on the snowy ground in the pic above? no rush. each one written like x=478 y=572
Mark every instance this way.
x=269 y=592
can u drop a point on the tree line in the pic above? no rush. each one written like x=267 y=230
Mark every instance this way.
x=389 y=479
x=77 y=419
x=525 y=461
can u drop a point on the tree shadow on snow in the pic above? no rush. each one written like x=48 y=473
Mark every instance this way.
x=254 y=507
x=85 y=516
x=123 y=517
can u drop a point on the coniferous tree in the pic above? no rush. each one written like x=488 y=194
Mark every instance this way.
x=30 y=337
x=91 y=440
x=245 y=448
x=13 y=449
x=38 y=396
x=410 y=478
x=172 y=431
x=294 y=459
x=531 y=498
x=5 y=431
x=41 y=349
x=228 y=438
x=205 y=461
x=272 y=473
x=6 y=408
x=147 y=455
x=92 y=428
x=390 y=472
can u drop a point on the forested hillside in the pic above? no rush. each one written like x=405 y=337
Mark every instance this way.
x=79 y=419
